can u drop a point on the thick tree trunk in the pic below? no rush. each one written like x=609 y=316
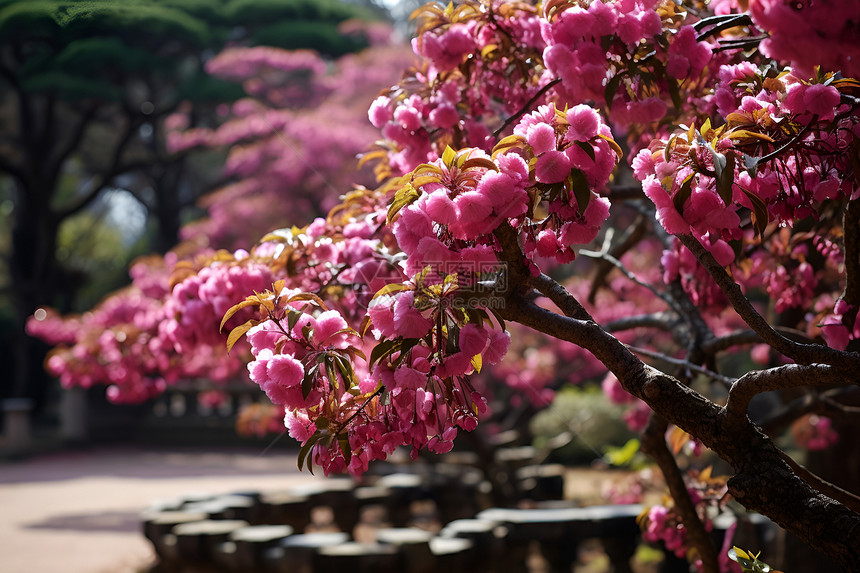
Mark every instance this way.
x=34 y=281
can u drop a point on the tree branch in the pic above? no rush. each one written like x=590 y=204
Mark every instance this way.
x=659 y=320
x=560 y=296
x=778 y=378
x=761 y=474
x=631 y=238
x=851 y=239
x=824 y=404
x=654 y=444
x=115 y=168
x=73 y=142
x=845 y=497
x=630 y=276
x=742 y=337
x=848 y=362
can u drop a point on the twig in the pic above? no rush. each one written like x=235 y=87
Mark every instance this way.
x=654 y=444
x=627 y=273
x=728 y=381
x=743 y=337
x=526 y=107
x=847 y=498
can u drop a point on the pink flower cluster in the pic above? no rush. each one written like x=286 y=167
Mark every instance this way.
x=571 y=151
x=699 y=181
x=588 y=46
x=664 y=527
x=305 y=362
x=842 y=326
x=292 y=146
x=197 y=304
x=429 y=386
x=447 y=48
x=476 y=74
x=281 y=355
x=811 y=33
x=468 y=198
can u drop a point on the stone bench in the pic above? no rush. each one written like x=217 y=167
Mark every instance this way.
x=245 y=547
x=559 y=531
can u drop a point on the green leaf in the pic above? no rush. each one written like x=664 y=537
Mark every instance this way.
x=345 y=368
x=293 y=317
x=579 y=186
x=306 y=449
x=719 y=159
x=612 y=88
x=308 y=381
x=331 y=372
x=423 y=180
x=623 y=455
x=349 y=331
x=384 y=348
x=365 y=324
x=479 y=162
x=683 y=194
x=354 y=353
x=499 y=319
x=390 y=288
x=406 y=345
x=726 y=179
x=760 y=215
x=586 y=147
x=343 y=441
x=506 y=143
x=307 y=297
x=619 y=153
x=751 y=165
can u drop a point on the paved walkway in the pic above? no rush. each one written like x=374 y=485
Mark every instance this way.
x=78 y=511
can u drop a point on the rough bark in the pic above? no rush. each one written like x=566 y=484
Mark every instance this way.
x=762 y=480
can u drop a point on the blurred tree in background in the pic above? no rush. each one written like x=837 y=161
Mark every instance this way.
x=84 y=89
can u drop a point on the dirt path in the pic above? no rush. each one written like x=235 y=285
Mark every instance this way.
x=78 y=512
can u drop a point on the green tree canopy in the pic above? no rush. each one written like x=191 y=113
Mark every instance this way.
x=84 y=87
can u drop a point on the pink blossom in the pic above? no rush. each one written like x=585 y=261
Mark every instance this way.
x=448 y=49
x=473 y=339
x=284 y=370
x=686 y=56
x=472 y=207
x=667 y=214
x=816 y=99
x=584 y=122
x=552 y=167
x=380 y=111
x=497 y=346
x=327 y=324
x=541 y=137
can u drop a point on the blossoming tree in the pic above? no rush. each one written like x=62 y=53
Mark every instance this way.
x=708 y=159
x=164 y=327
